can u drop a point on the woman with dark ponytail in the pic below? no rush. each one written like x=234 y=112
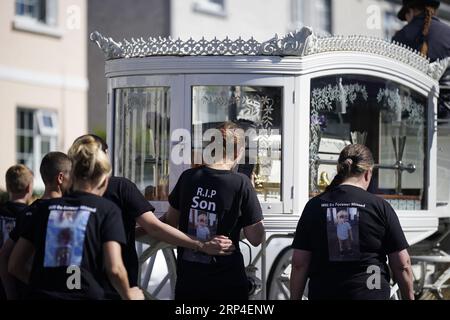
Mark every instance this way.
x=424 y=31
x=344 y=237
x=358 y=158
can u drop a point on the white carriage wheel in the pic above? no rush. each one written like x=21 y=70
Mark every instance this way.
x=428 y=284
x=155 y=283
x=279 y=276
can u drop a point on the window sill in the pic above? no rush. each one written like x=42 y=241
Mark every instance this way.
x=209 y=8
x=33 y=26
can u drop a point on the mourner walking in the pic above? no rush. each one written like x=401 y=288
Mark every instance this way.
x=82 y=231
x=223 y=202
x=345 y=235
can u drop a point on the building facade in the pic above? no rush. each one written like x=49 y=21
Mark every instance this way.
x=263 y=18
x=43 y=79
x=118 y=19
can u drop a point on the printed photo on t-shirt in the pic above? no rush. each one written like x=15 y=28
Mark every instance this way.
x=6 y=226
x=203 y=226
x=64 y=242
x=343 y=234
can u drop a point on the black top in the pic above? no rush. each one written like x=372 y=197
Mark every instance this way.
x=71 y=231
x=132 y=203
x=23 y=219
x=9 y=213
x=348 y=230
x=438 y=38
x=213 y=202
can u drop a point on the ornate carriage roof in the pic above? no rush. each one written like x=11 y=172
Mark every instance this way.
x=299 y=43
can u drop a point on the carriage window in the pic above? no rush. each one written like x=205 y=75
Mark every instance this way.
x=387 y=117
x=257 y=110
x=142 y=139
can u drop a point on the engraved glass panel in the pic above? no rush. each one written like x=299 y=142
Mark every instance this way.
x=387 y=117
x=142 y=139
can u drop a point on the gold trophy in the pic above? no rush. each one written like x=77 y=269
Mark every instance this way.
x=324 y=181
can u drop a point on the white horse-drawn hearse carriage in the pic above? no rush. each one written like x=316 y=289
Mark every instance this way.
x=306 y=97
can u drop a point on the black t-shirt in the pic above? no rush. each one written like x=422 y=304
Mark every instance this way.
x=349 y=232
x=71 y=231
x=22 y=222
x=23 y=219
x=132 y=203
x=213 y=202
x=9 y=213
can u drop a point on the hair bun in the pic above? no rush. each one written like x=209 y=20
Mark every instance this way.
x=90 y=163
x=354 y=160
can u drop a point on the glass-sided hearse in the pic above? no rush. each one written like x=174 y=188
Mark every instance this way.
x=305 y=96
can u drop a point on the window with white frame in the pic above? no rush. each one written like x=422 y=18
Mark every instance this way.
x=315 y=14
x=36 y=136
x=40 y=11
x=214 y=7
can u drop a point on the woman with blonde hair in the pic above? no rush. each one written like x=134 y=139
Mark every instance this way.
x=360 y=272
x=136 y=210
x=76 y=238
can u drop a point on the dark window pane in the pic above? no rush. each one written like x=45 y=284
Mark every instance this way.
x=30 y=119
x=42 y=10
x=20 y=119
x=20 y=144
x=29 y=145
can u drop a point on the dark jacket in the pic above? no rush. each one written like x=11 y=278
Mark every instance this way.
x=438 y=37
x=438 y=40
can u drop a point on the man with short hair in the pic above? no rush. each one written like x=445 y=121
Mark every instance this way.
x=55 y=172
x=19 y=184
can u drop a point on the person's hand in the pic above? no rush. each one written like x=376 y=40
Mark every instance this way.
x=135 y=294
x=139 y=232
x=218 y=246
